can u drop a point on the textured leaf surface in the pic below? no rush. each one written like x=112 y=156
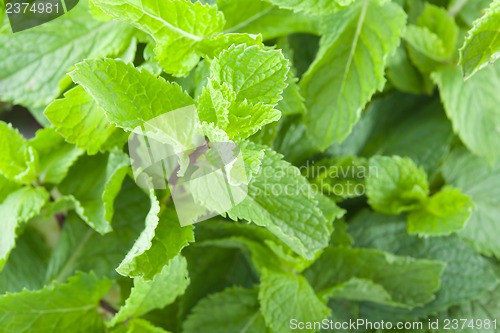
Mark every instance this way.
x=280 y=199
x=19 y=161
x=333 y=272
x=157 y=293
x=349 y=67
x=162 y=240
x=94 y=198
x=481 y=182
x=34 y=61
x=442 y=214
x=16 y=209
x=395 y=185
x=129 y=96
x=285 y=296
x=80 y=121
x=482 y=44
x=233 y=310
x=472 y=107
x=316 y=7
x=177 y=26
x=57 y=308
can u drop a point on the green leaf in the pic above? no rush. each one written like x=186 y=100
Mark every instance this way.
x=157 y=293
x=104 y=174
x=143 y=326
x=19 y=207
x=480 y=180
x=19 y=161
x=280 y=199
x=482 y=45
x=6 y=188
x=467 y=274
x=349 y=67
x=177 y=26
x=129 y=96
x=55 y=156
x=432 y=41
x=27 y=264
x=80 y=121
x=56 y=307
x=395 y=185
x=233 y=310
x=162 y=240
x=284 y=297
x=333 y=273
x=472 y=107
x=260 y=17
x=80 y=248
x=254 y=74
x=444 y=213
x=43 y=55
x=314 y=7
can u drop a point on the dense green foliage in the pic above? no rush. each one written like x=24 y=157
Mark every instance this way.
x=369 y=131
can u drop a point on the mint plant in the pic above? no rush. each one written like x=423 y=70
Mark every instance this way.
x=340 y=158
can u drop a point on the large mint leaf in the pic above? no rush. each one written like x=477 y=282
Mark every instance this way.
x=467 y=274
x=80 y=121
x=284 y=297
x=162 y=240
x=232 y=310
x=442 y=214
x=80 y=248
x=280 y=199
x=19 y=207
x=315 y=7
x=94 y=197
x=482 y=45
x=349 y=67
x=481 y=181
x=333 y=273
x=56 y=308
x=157 y=293
x=472 y=107
x=55 y=155
x=395 y=185
x=177 y=26
x=6 y=187
x=128 y=95
x=19 y=161
x=35 y=61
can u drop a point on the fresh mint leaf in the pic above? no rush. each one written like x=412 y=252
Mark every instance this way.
x=18 y=208
x=472 y=107
x=114 y=86
x=162 y=240
x=56 y=307
x=80 y=121
x=280 y=199
x=340 y=76
x=444 y=213
x=55 y=156
x=94 y=198
x=162 y=290
x=232 y=310
x=284 y=297
x=177 y=26
x=314 y=7
x=395 y=185
x=42 y=56
x=481 y=46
